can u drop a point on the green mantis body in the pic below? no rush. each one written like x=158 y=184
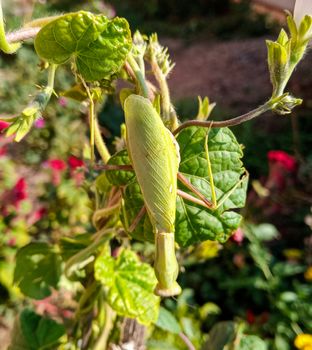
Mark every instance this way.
x=155 y=159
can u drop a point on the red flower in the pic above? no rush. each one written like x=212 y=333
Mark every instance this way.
x=3 y=125
x=57 y=164
x=19 y=191
x=250 y=317
x=284 y=159
x=75 y=162
x=40 y=213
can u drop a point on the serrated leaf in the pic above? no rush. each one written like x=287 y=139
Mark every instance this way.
x=119 y=177
x=97 y=45
x=130 y=285
x=195 y=223
x=38 y=268
x=167 y=321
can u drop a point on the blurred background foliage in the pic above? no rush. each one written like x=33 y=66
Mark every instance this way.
x=262 y=278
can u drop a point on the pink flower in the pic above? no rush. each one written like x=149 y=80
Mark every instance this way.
x=36 y=216
x=57 y=164
x=238 y=236
x=3 y=151
x=40 y=213
x=76 y=165
x=3 y=125
x=12 y=242
x=75 y=162
x=287 y=161
x=19 y=192
x=40 y=123
x=62 y=102
x=54 y=305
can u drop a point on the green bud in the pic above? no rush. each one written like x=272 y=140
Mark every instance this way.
x=204 y=108
x=278 y=63
x=286 y=104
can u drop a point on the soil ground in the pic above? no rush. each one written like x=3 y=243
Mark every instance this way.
x=233 y=74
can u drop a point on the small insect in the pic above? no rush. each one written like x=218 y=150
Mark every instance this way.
x=154 y=156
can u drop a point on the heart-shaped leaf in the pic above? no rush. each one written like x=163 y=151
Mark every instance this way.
x=130 y=284
x=97 y=45
x=38 y=268
x=195 y=223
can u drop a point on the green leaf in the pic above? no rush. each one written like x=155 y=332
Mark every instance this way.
x=251 y=342
x=97 y=45
x=130 y=286
x=119 y=177
x=194 y=223
x=221 y=334
x=167 y=321
x=38 y=267
x=264 y=232
x=39 y=332
x=70 y=246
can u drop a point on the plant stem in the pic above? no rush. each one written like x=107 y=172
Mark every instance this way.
x=51 y=77
x=227 y=123
x=164 y=90
x=100 y=144
x=104 y=213
x=101 y=343
x=139 y=75
x=29 y=31
x=22 y=35
x=186 y=341
x=168 y=112
x=5 y=46
x=84 y=255
x=85 y=297
x=95 y=133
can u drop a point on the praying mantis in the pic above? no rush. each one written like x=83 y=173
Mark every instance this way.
x=155 y=158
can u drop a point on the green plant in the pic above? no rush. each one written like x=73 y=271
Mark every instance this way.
x=138 y=190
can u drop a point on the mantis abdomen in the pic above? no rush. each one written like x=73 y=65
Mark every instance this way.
x=154 y=157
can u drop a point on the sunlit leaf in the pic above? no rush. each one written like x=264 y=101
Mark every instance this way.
x=98 y=46
x=130 y=285
x=195 y=223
